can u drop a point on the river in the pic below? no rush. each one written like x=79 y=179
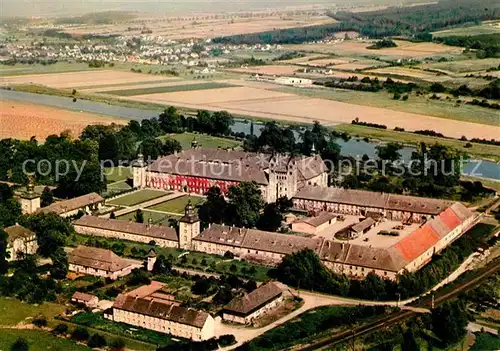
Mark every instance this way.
x=353 y=147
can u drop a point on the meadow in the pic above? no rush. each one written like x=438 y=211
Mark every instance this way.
x=484 y=28
x=203 y=140
x=13 y=311
x=155 y=217
x=38 y=340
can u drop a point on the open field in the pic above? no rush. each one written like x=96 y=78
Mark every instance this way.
x=13 y=311
x=464 y=66
x=290 y=107
x=405 y=49
x=279 y=70
x=353 y=66
x=38 y=340
x=206 y=26
x=23 y=120
x=138 y=197
x=203 y=140
x=405 y=72
x=70 y=80
x=168 y=89
x=177 y=205
x=415 y=104
x=139 y=85
x=59 y=67
x=214 y=96
x=490 y=152
x=484 y=28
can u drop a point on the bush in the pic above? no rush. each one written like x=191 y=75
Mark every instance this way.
x=226 y=340
x=117 y=345
x=96 y=340
x=396 y=96
x=60 y=329
x=229 y=255
x=405 y=97
x=233 y=268
x=80 y=334
x=40 y=321
x=20 y=345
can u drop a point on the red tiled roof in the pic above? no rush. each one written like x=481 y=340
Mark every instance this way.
x=416 y=243
x=449 y=218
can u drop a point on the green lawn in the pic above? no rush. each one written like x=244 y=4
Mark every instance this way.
x=168 y=89
x=59 y=67
x=463 y=66
x=13 y=311
x=203 y=140
x=138 y=197
x=177 y=205
x=156 y=217
x=482 y=151
x=38 y=340
x=486 y=341
x=116 y=174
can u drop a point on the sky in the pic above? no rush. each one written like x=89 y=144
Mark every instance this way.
x=26 y=8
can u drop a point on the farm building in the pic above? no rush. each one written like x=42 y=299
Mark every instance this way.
x=245 y=309
x=314 y=224
x=163 y=316
x=98 y=262
x=198 y=169
x=86 y=204
x=20 y=241
x=88 y=300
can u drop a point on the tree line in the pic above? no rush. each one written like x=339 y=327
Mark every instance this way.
x=394 y=21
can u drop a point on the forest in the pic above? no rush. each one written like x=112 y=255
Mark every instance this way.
x=410 y=22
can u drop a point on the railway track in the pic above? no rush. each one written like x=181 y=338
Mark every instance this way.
x=439 y=298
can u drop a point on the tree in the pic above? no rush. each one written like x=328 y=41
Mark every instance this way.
x=21 y=344
x=152 y=148
x=139 y=216
x=47 y=198
x=303 y=269
x=112 y=215
x=449 y=322
x=59 y=268
x=117 y=345
x=170 y=146
x=60 y=329
x=91 y=180
x=170 y=120
x=213 y=210
x=223 y=296
x=80 y=334
x=389 y=152
x=10 y=211
x=4 y=255
x=162 y=265
x=245 y=204
x=138 y=277
x=51 y=231
x=409 y=341
x=271 y=219
x=96 y=341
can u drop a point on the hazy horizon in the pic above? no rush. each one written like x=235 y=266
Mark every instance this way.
x=56 y=8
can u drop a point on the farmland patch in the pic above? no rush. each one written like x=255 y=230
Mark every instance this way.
x=168 y=89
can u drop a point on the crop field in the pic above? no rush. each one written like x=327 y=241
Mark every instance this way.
x=410 y=73
x=71 y=80
x=208 y=26
x=404 y=50
x=214 y=96
x=465 y=66
x=23 y=120
x=138 y=197
x=271 y=104
x=415 y=104
x=203 y=140
x=353 y=66
x=177 y=205
x=59 y=67
x=485 y=28
x=279 y=70
x=168 y=89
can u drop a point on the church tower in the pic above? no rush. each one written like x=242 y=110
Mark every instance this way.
x=30 y=201
x=189 y=227
x=139 y=171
